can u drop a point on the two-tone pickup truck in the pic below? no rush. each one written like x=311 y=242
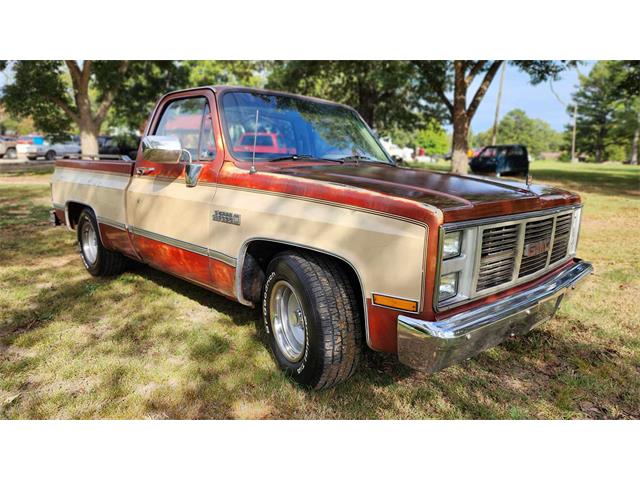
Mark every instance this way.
x=337 y=246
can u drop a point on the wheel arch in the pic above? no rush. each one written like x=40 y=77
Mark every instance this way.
x=256 y=253
x=73 y=210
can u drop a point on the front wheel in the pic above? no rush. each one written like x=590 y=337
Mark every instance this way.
x=96 y=258
x=11 y=154
x=312 y=318
x=50 y=155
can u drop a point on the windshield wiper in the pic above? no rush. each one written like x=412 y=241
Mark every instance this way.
x=359 y=158
x=305 y=157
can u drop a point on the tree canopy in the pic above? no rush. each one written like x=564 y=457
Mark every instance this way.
x=457 y=77
x=517 y=127
x=388 y=94
x=608 y=104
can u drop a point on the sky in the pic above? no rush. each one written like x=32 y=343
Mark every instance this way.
x=537 y=101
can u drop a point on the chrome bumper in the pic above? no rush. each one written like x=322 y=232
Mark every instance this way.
x=432 y=346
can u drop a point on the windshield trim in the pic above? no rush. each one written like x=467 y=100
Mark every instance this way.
x=228 y=148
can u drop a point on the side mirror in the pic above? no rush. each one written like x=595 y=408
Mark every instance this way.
x=159 y=149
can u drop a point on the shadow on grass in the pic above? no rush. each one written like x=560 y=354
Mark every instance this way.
x=602 y=180
x=146 y=344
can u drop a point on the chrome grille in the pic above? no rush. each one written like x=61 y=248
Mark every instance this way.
x=513 y=250
x=537 y=232
x=498 y=254
x=561 y=238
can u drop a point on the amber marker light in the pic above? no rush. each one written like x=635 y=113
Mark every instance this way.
x=392 y=302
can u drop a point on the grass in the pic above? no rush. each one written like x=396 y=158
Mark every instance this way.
x=146 y=345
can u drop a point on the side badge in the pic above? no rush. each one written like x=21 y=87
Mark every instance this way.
x=226 y=217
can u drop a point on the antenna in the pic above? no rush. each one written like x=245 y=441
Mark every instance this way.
x=255 y=139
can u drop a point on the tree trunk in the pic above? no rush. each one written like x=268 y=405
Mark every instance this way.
x=88 y=138
x=634 y=146
x=460 y=147
x=88 y=128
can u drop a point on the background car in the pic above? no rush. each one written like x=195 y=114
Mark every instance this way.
x=34 y=146
x=8 y=147
x=501 y=159
x=110 y=145
x=399 y=154
x=262 y=142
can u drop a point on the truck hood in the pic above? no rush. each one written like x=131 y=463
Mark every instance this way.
x=458 y=196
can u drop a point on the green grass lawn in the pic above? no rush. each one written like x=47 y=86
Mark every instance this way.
x=146 y=345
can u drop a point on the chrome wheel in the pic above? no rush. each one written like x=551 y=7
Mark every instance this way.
x=89 y=243
x=287 y=320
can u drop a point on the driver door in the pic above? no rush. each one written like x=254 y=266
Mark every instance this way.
x=170 y=222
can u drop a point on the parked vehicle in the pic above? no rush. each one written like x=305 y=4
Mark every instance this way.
x=501 y=159
x=118 y=146
x=399 y=154
x=339 y=248
x=262 y=142
x=8 y=147
x=35 y=146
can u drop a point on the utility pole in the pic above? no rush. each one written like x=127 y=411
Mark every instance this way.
x=574 y=159
x=494 y=137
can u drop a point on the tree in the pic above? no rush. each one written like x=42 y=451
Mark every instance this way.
x=433 y=139
x=21 y=126
x=458 y=75
x=227 y=72
x=608 y=120
x=58 y=94
x=516 y=127
x=387 y=94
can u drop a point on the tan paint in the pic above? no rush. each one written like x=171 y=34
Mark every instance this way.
x=171 y=209
x=102 y=191
x=387 y=253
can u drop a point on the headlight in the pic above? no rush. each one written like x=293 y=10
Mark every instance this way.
x=456 y=265
x=452 y=243
x=575 y=231
x=448 y=286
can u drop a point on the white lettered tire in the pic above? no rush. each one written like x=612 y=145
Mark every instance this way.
x=312 y=319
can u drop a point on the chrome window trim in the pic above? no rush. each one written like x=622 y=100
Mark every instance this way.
x=483 y=224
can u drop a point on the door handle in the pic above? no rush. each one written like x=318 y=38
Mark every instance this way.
x=145 y=170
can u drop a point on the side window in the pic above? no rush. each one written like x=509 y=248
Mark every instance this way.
x=207 y=142
x=187 y=119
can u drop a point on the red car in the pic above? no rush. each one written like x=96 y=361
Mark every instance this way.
x=265 y=142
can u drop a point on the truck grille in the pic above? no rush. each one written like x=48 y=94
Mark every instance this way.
x=537 y=233
x=497 y=258
x=515 y=250
x=561 y=238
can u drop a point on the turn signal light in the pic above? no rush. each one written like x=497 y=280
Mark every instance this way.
x=399 y=303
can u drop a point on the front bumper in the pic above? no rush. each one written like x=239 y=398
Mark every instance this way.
x=432 y=346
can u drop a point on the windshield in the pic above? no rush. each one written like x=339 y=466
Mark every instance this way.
x=288 y=126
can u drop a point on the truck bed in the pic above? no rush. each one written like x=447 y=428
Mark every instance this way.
x=102 y=184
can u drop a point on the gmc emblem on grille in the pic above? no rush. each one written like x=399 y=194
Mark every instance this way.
x=536 y=248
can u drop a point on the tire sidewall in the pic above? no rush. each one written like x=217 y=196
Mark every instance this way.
x=87 y=216
x=307 y=370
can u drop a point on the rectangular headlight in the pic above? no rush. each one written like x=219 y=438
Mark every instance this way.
x=448 y=286
x=452 y=245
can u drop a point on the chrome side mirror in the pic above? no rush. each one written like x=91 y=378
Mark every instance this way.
x=161 y=149
x=192 y=174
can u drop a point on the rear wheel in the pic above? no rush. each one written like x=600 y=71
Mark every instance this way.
x=11 y=153
x=312 y=319
x=96 y=258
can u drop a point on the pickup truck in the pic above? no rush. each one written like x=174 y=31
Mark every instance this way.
x=338 y=247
